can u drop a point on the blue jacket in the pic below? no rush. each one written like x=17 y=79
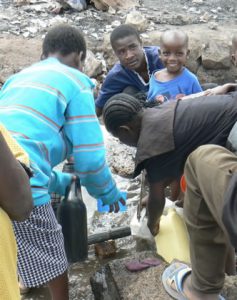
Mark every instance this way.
x=120 y=77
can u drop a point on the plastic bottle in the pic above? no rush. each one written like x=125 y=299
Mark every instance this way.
x=172 y=241
x=72 y=216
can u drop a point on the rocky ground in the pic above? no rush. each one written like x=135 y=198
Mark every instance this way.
x=22 y=28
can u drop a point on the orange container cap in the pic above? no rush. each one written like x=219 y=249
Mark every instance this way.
x=183 y=184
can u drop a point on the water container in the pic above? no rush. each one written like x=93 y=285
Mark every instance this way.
x=68 y=167
x=172 y=241
x=72 y=216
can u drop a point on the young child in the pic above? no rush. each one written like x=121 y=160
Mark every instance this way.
x=175 y=81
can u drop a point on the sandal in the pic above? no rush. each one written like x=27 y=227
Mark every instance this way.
x=175 y=275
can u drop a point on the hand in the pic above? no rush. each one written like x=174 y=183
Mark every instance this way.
x=144 y=201
x=154 y=228
x=221 y=89
x=115 y=206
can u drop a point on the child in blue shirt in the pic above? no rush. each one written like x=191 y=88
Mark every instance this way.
x=175 y=81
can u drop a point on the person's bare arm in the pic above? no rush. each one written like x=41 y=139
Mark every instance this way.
x=15 y=192
x=155 y=204
x=221 y=89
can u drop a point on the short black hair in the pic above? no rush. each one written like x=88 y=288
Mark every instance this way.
x=120 y=110
x=123 y=31
x=64 y=39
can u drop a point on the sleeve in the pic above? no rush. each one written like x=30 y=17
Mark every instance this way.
x=112 y=85
x=196 y=87
x=83 y=130
x=59 y=181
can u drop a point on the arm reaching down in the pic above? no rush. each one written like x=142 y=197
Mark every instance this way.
x=156 y=204
x=83 y=131
x=15 y=191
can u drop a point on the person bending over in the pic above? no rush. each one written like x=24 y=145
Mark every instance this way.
x=166 y=134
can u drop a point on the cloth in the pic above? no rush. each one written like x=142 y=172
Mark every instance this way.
x=59 y=181
x=232 y=140
x=200 y=121
x=184 y=84
x=208 y=172
x=46 y=107
x=229 y=216
x=16 y=149
x=9 y=289
x=161 y=119
x=120 y=77
x=40 y=264
x=137 y=265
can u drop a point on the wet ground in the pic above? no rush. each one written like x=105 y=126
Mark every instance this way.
x=80 y=273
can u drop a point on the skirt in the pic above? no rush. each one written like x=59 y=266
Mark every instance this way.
x=41 y=254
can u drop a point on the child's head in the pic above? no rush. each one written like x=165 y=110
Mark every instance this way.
x=234 y=50
x=174 y=50
x=66 y=43
x=127 y=45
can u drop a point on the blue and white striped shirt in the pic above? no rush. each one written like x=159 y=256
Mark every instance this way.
x=49 y=109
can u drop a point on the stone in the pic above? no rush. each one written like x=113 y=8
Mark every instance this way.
x=93 y=67
x=213 y=25
x=100 y=5
x=116 y=23
x=111 y=11
x=21 y=2
x=105 y=249
x=197 y=1
x=205 y=18
x=216 y=55
x=115 y=4
x=115 y=282
x=138 y=20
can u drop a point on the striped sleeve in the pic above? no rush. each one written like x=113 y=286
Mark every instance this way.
x=83 y=131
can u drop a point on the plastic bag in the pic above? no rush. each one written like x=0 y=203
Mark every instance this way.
x=139 y=228
x=77 y=4
x=171 y=204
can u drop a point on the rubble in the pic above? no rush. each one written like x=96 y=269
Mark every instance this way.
x=138 y=20
x=104 y=5
x=114 y=281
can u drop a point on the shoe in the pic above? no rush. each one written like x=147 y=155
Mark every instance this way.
x=173 y=278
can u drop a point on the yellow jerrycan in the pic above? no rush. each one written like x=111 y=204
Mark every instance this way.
x=172 y=241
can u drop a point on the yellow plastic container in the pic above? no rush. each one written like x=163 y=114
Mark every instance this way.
x=172 y=241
